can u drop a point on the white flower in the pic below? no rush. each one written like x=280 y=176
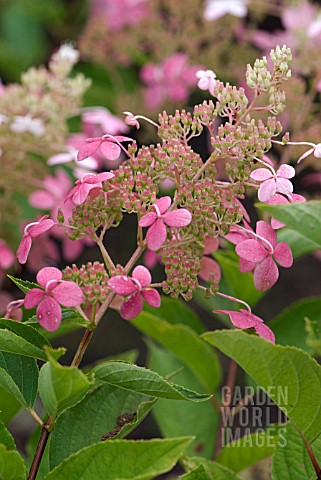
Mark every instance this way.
x=69 y=53
x=3 y=119
x=26 y=123
x=71 y=156
x=218 y=8
x=206 y=80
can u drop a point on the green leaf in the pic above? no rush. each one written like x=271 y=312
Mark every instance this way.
x=304 y=218
x=122 y=459
x=176 y=311
x=19 y=377
x=16 y=337
x=289 y=325
x=61 y=387
x=24 y=285
x=140 y=380
x=299 y=244
x=9 y=406
x=12 y=466
x=5 y=438
x=70 y=320
x=249 y=449
x=214 y=470
x=197 y=474
x=108 y=412
x=177 y=419
x=186 y=345
x=291 y=459
x=288 y=375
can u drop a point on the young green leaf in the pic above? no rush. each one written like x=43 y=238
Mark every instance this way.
x=5 y=438
x=197 y=474
x=24 y=285
x=289 y=376
x=141 y=380
x=121 y=459
x=213 y=470
x=22 y=339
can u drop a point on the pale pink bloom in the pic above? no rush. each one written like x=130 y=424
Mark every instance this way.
x=31 y=231
x=55 y=292
x=6 y=257
x=171 y=80
x=13 y=310
x=278 y=199
x=158 y=219
x=107 y=146
x=316 y=150
x=71 y=155
x=237 y=235
x=210 y=268
x=273 y=183
x=245 y=319
x=80 y=192
x=138 y=289
x=98 y=121
x=22 y=124
x=131 y=120
x=119 y=14
x=260 y=253
x=314 y=29
x=151 y=259
x=206 y=80
x=215 y=9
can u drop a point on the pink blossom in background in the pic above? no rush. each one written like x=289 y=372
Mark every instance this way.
x=97 y=121
x=89 y=181
x=31 y=231
x=206 y=80
x=261 y=254
x=70 y=155
x=170 y=80
x=55 y=292
x=215 y=9
x=278 y=199
x=7 y=257
x=273 y=183
x=119 y=14
x=5 y=298
x=137 y=287
x=151 y=259
x=13 y=310
x=45 y=251
x=245 y=319
x=210 y=268
x=107 y=146
x=159 y=218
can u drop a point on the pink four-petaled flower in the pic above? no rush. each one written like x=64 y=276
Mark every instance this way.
x=159 y=218
x=107 y=146
x=137 y=287
x=56 y=292
x=246 y=319
x=259 y=255
x=31 y=231
x=80 y=192
x=272 y=183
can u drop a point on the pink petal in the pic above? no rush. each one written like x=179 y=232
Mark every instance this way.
x=101 y=177
x=68 y=294
x=285 y=171
x=210 y=268
x=42 y=199
x=122 y=285
x=60 y=158
x=265 y=332
x=156 y=235
x=276 y=224
x=266 y=231
x=81 y=193
x=141 y=274
x=47 y=274
x=210 y=245
x=33 y=297
x=132 y=307
x=261 y=174
x=6 y=256
x=283 y=255
x=177 y=218
x=24 y=249
x=284 y=186
x=40 y=227
x=277 y=199
x=251 y=250
x=246 y=266
x=110 y=150
x=49 y=314
x=306 y=154
x=240 y=320
x=163 y=204
x=267 y=190
x=148 y=219
x=152 y=297
x=88 y=149
x=266 y=274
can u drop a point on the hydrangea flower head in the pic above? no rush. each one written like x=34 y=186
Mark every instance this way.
x=138 y=289
x=159 y=218
x=55 y=292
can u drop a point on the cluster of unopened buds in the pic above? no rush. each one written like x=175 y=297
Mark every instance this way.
x=183 y=230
